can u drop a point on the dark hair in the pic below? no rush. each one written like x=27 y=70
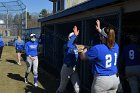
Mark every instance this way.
x=110 y=40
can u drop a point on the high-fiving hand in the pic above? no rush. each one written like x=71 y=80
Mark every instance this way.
x=98 y=28
x=75 y=30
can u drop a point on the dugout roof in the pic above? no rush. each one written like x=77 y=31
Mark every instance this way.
x=92 y=4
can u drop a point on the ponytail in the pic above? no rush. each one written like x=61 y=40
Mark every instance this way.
x=110 y=40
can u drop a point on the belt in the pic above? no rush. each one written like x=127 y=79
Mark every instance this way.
x=117 y=75
x=31 y=56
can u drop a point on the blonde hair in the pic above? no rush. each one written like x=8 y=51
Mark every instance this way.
x=18 y=38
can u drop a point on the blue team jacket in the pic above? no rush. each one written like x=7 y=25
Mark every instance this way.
x=71 y=52
x=1 y=42
x=106 y=59
x=19 y=44
x=31 y=48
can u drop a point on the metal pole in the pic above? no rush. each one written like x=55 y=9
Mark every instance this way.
x=26 y=18
x=120 y=26
x=21 y=24
x=7 y=26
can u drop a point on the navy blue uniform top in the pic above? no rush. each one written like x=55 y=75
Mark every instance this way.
x=19 y=44
x=31 y=48
x=106 y=59
x=71 y=52
x=132 y=55
x=1 y=42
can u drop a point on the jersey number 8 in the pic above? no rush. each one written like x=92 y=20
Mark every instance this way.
x=131 y=54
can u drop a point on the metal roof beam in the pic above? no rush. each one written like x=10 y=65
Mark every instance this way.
x=19 y=6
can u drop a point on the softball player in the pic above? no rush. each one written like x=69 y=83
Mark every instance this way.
x=104 y=60
x=1 y=46
x=132 y=64
x=68 y=70
x=32 y=58
x=19 y=45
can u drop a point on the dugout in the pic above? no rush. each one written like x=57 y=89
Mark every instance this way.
x=131 y=25
x=56 y=27
x=55 y=37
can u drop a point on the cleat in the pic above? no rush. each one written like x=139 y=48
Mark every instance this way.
x=36 y=85
x=19 y=63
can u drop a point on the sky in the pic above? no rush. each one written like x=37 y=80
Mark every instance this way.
x=35 y=5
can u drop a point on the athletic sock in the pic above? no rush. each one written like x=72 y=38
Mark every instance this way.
x=35 y=78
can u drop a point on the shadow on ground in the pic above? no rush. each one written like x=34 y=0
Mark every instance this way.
x=32 y=89
x=11 y=61
x=17 y=77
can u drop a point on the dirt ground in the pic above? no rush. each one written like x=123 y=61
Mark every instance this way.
x=12 y=76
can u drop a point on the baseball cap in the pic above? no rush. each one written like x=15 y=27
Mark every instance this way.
x=32 y=34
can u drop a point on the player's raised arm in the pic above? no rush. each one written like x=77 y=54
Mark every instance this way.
x=98 y=27
x=75 y=30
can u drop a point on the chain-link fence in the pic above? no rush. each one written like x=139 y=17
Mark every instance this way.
x=13 y=20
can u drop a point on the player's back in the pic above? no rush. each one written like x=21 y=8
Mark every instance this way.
x=107 y=59
x=131 y=55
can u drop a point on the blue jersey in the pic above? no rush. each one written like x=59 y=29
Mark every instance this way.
x=19 y=44
x=132 y=55
x=1 y=42
x=31 y=48
x=104 y=60
x=71 y=52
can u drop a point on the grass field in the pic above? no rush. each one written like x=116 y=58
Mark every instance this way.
x=12 y=76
